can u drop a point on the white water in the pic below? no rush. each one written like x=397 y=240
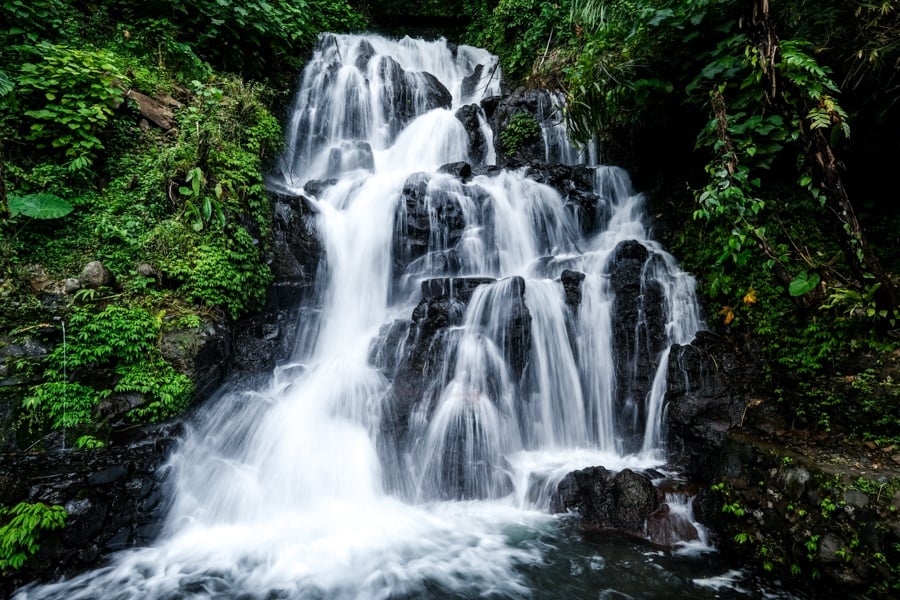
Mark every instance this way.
x=280 y=491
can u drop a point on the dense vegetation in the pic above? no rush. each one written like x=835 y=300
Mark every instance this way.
x=135 y=134
x=767 y=130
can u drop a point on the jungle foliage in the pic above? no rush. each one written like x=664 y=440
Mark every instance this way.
x=169 y=198
x=767 y=129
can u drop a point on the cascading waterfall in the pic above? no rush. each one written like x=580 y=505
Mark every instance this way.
x=338 y=479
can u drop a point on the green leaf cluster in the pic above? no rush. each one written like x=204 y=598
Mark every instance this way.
x=73 y=94
x=111 y=352
x=22 y=527
x=522 y=129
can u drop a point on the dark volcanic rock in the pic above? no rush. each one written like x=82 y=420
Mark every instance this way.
x=422 y=371
x=200 y=353
x=667 y=528
x=365 y=54
x=470 y=82
x=409 y=94
x=571 y=281
x=459 y=288
x=639 y=322
x=576 y=185
x=428 y=218
x=708 y=384
x=607 y=501
x=468 y=116
x=297 y=251
x=534 y=102
x=113 y=498
x=460 y=170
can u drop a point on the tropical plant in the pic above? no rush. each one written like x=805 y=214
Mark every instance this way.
x=21 y=531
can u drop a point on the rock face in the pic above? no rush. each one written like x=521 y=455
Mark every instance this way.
x=708 y=385
x=535 y=102
x=576 y=185
x=639 y=320
x=114 y=500
x=468 y=116
x=200 y=353
x=605 y=500
x=297 y=251
x=410 y=94
x=825 y=514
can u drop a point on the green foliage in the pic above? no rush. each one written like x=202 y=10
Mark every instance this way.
x=520 y=32
x=29 y=21
x=223 y=270
x=111 y=352
x=522 y=129
x=74 y=93
x=21 y=531
x=39 y=206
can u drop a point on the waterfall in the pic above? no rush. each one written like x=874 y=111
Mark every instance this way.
x=400 y=458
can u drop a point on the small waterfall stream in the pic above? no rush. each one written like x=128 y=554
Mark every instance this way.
x=399 y=458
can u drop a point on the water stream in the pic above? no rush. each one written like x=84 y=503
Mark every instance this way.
x=306 y=487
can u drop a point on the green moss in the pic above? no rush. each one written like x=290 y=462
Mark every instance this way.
x=522 y=130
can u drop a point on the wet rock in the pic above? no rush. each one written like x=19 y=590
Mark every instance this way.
x=607 y=501
x=460 y=288
x=428 y=219
x=365 y=52
x=460 y=170
x=350 y=156
x=102 y=492
x=470 y=82
x=517 y=337
x=315 y=187
x=258 y=342
x=389 y=347
x=406 y=95
x=708 y=386
x=576 y=185
x=830 y=545
x=441 y=309
x=199 y=353
x=639 y=320
x=297 y=251
x=116 y=406
x=535 y=102
x=468 y=116
x=95 y=275
x=667 y=528
x=72 y=285
x=571 y=281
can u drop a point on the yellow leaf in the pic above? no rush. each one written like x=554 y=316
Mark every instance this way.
x=750 y=297
x=728 y=313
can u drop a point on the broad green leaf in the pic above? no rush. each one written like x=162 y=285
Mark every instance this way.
x=39 y=206
x=803 y=283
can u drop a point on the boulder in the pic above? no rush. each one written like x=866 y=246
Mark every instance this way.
x=607 y=501
x=428 y=219
x=571 y=281
x=95 y=275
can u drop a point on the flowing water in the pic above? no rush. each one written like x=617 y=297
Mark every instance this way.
x=301 y=488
